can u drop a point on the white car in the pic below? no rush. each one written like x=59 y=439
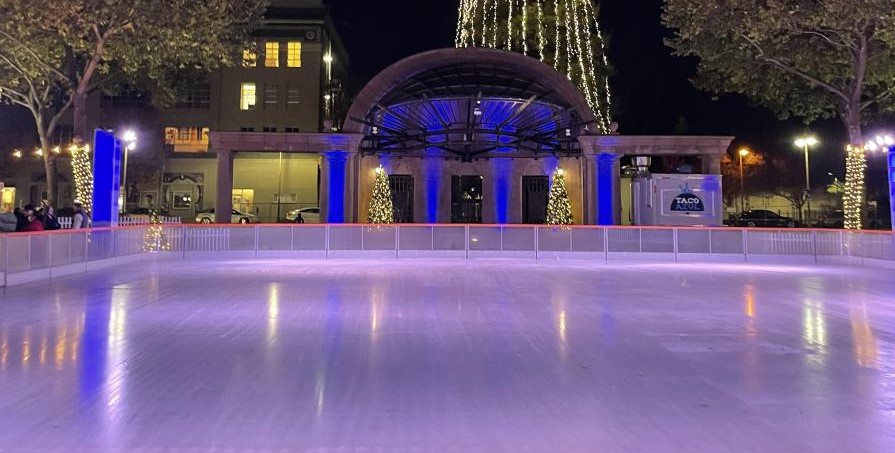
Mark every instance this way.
x=235 y=217
x=304 y=215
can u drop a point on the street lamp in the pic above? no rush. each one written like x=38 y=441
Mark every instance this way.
x=130 y=144
x=805 y=143
x=743 y=153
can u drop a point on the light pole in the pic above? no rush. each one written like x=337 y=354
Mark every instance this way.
x=743 y=153
x=805 y=143
x=130 y=144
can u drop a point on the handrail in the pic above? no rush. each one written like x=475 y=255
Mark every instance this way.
x=48 y=251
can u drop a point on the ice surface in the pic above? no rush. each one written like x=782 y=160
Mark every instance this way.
x=432 y=356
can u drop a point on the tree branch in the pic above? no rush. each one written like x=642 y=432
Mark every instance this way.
x=794 y=71
x=33 y=54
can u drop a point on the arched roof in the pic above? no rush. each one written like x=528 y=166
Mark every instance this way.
x=504 y=73
x=470 y=102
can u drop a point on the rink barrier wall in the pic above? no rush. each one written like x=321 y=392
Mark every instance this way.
x=30 y=257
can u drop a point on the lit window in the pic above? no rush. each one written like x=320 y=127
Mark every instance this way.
x=272 y=54
x=249 y=58
x=247 y=97
x=293 y=54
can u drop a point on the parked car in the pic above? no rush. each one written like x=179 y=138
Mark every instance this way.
x=835 y=219
x=304 y=215
x=764 y=218
x=235 y=217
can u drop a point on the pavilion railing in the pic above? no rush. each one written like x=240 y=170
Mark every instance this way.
x=66 y=251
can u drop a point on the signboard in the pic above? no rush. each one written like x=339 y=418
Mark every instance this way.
x=687 y=201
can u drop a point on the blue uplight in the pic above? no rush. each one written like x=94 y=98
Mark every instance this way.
x=503 y=171
x=337 y=161
x=605 y=189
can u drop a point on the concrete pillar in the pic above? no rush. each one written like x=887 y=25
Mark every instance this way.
x=502 y=190
x=335 y=200
x=711 y=164
x=589 y=182
x=224 y=204
x=608 y=170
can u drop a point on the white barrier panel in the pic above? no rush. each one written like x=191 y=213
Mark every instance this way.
x=34 y=256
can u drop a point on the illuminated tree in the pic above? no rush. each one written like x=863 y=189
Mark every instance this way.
x=806 y=58
x=154 y=239
x=562 y=33
x=382 y=210
x=559 y=209
x=54 y=54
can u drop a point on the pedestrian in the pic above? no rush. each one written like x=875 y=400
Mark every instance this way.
x=80 y=219
x=29 y=219
x=51 y=222
x=22 y=215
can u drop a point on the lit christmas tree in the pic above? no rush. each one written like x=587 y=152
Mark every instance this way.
x=559 y=209
x=381 y=208
x=561 y=33
x=154 y=239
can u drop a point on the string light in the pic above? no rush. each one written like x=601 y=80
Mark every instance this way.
x=853 y=198
x=382 y=210
x=559 y=209
x=82 y=167
x=154 y=239
x=575 y=47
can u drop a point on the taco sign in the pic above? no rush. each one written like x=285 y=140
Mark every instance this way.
x=687 y=202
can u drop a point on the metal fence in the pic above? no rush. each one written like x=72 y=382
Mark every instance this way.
x=66 y=222
x=57 y=251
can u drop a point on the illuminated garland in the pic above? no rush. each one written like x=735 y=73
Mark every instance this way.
x=154 y=239
x=559 y=209
x=574 y=45
x=853 y=198
x=381 y=208
x=82 y=167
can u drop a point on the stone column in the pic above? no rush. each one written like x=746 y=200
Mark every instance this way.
x=224 y=203
x=334 y=199
x=608 y=188
x=711 y=164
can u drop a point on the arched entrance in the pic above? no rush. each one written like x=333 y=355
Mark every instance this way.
x=470 y=121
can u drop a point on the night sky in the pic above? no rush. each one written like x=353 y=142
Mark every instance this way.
x=652 y=93
x=651 y=88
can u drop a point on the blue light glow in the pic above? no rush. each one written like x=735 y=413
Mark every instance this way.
x=503 y=172
x=605 y=189
x=106 y=179
x=337 y=161
x=433 y=186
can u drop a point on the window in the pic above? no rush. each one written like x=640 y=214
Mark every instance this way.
x=249 y=58
x=271 y=95
x=293 y=96
x=293 y=54
x=186 y=139
x=247 y=97
x=272 y=54
x=246 y=129
x=198 y=97
x=292 y=129
x=270 y=128
x=128 y=99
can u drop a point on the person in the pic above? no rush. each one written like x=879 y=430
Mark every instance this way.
x=29 y=220
x=80 y=219
x=51 y=222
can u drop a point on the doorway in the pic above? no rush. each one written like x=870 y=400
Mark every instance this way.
x=466 y=199
x=402 y=197
x=535 y=192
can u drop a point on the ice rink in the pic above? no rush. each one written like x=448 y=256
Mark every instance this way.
x=450 y=356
